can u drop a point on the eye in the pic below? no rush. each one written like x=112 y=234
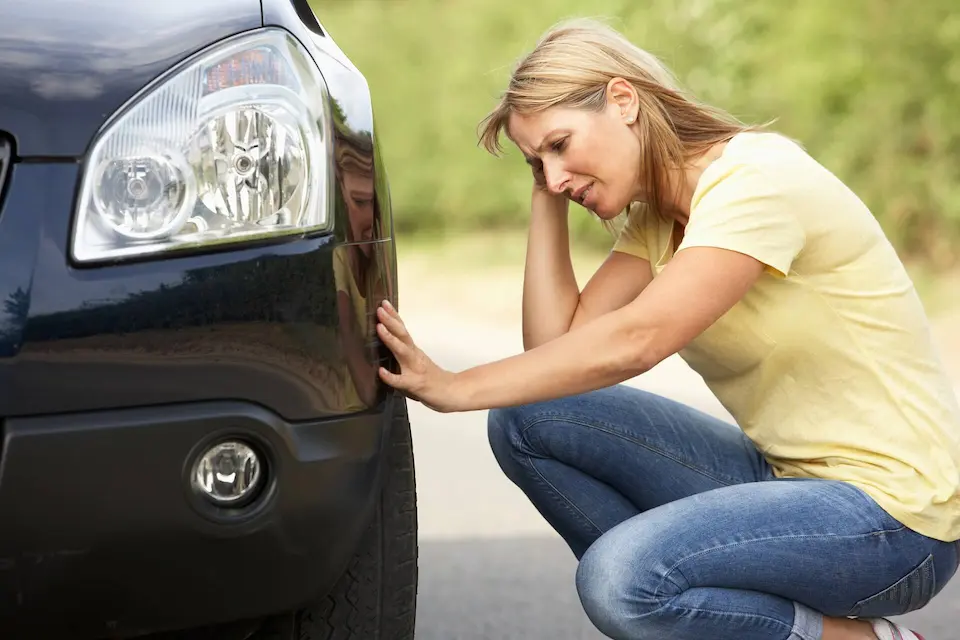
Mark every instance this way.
x=559 y=145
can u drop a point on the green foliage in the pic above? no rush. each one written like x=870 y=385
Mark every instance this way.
x=870 y=87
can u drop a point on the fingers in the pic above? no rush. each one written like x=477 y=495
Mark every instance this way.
x=539 y=178
x=391 y=379
x=398 y=382
x=389 y=316
x=399 y=348
x=394 y=335
x=388 y=307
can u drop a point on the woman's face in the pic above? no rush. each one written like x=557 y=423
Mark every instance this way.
x=358 y=194
x=593 y=158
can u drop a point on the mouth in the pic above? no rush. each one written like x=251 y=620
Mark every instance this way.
x=581 y=194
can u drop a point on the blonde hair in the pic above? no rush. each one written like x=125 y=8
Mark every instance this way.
x=571 y=67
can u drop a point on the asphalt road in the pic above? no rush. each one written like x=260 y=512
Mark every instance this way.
x=490 y=568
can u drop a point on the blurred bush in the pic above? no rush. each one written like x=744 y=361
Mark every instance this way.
x=870 y=87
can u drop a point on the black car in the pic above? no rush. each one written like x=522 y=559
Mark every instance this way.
x=195 y=232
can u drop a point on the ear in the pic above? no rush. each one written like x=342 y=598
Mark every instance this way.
x=623 y=95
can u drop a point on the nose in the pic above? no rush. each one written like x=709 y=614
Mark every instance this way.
x=557 y=179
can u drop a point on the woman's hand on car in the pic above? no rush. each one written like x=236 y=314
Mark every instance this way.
x=420 y=378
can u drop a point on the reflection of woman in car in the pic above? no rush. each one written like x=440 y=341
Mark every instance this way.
x=836 y=503
x=359 y=280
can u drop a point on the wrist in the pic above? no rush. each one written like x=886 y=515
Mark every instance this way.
x=543 y=195
x=458 y=391
x=550 y=206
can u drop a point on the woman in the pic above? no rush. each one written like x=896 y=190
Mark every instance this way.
x=834 y=502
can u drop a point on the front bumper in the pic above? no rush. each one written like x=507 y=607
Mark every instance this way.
x=101 y=535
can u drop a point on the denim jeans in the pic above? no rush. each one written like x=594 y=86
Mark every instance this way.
x=683 y=532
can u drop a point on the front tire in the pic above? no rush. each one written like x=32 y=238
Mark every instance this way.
x=376 y=596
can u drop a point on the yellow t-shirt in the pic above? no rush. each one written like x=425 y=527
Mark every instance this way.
x=345 y=281
x=827 y=364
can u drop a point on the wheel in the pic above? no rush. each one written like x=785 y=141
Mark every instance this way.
x=376 y=596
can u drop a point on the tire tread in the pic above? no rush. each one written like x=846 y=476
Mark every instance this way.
x=372 y=601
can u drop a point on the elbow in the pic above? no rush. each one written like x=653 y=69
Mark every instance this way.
x=640 y=363
x=640 y=354
x=530 y=341
x=638 y=342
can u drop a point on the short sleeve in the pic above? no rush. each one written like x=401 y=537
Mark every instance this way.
x=632 y=237
x=743 y=210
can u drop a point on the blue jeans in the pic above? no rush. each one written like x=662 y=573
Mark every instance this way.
x=682 y=531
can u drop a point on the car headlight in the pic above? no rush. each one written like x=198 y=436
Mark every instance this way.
x=232 y=145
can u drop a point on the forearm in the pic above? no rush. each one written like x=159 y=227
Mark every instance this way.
x=606 y=351
x=697 y=288
x=550 y=292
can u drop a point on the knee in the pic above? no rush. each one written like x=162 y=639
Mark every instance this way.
x=622 y=590
x=603 y=590
x=504 y=433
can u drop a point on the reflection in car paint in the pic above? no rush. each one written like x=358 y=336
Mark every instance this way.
x=358 y=268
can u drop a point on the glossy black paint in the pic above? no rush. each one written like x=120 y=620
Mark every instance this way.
x=107 y=546
x=6 y=161
x=258 y=323
x=116 y=371
x=272 y=323
x=307 y=16
x=66 y=66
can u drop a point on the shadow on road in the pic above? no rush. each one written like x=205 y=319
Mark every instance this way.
x=486 y=589
x=483 y=589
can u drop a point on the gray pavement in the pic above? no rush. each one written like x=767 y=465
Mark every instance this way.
x=490 y=568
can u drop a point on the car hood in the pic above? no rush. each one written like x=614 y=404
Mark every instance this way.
x=68 y=65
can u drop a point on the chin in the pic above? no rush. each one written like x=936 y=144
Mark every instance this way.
x=606 y=213
x=610 y=208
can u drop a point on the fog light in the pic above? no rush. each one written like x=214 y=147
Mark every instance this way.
x=228 y=472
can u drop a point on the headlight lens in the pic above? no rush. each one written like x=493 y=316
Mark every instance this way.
x=233 y=145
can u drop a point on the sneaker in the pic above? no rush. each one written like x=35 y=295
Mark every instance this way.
x=887 y=630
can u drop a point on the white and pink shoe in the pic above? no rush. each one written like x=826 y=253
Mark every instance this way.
x=887 y=630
